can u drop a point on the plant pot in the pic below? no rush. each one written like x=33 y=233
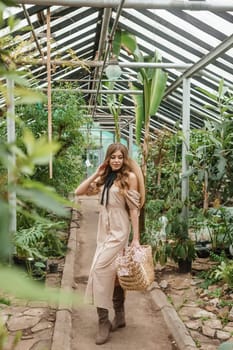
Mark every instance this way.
x=202 y=251
x=185 y=266
x=19 y=261
x=23 y=262
x=53 y=267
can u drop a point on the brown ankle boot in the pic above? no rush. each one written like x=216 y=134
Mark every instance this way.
x=118 y=305
x=104 y=326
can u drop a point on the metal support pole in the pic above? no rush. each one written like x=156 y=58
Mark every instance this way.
x=49 y=93
x=11 y=139
x=185 y=144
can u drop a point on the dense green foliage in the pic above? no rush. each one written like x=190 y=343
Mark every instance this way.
x=26 y=159
x=210 y=183
x=68 y=167
x=67 y=119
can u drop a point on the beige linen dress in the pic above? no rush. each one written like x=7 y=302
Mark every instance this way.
x=112 y=236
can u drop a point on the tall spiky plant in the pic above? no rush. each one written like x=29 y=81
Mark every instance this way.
x=153 y=82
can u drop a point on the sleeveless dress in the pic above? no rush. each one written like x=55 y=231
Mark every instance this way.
x=113 y=232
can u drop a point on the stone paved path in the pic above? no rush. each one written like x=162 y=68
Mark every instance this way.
x=209 y=324
x=34 y=320
x=146 y=329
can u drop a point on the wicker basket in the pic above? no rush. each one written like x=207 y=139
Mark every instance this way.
x=135 y=268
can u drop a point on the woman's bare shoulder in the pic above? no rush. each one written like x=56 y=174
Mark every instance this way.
x=132 y=181
x=132 y=176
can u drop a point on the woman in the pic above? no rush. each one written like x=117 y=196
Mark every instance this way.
x=120 y=184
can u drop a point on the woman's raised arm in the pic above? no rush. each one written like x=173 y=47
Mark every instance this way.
x=84 y=187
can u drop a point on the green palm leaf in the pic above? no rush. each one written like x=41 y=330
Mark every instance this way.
x=129 y=42
x=158 y=86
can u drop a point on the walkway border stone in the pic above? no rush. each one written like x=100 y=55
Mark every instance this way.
x=61 y=339
x=179 y=332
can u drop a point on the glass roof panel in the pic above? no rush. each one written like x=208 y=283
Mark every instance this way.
x=181 y=36
x=187 y=27
x=213 y=20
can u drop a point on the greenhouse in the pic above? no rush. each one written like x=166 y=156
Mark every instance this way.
x=116 y=126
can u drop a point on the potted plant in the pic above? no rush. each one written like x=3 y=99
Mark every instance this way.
x=213 y=230
x=53 y=267
x=178 y=246
x=181 y=251
x=182 y=247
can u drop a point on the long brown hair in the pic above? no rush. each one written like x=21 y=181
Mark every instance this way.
x=123 y=172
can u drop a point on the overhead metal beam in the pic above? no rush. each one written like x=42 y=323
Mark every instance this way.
x=86 y=91
x=91 y=91
x=107 y=52
x=104 y=32
x=84 y=64
x=211 y=5
x=110 y=116
x=153 y=65
x=33 y=31
x=102 y=45
x=111 y=122
x=204 y=61
x=107 y=107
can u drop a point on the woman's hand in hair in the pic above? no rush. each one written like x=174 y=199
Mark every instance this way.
x=89 y=186
x=101 y=169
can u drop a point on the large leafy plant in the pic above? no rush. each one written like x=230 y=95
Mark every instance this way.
x=33 y=151
x=40 y=241
x=153 y=82
x=210 y=180
x=211 y=151
x=224 y=272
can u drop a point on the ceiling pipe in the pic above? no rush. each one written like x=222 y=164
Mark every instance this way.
x=211 y=5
